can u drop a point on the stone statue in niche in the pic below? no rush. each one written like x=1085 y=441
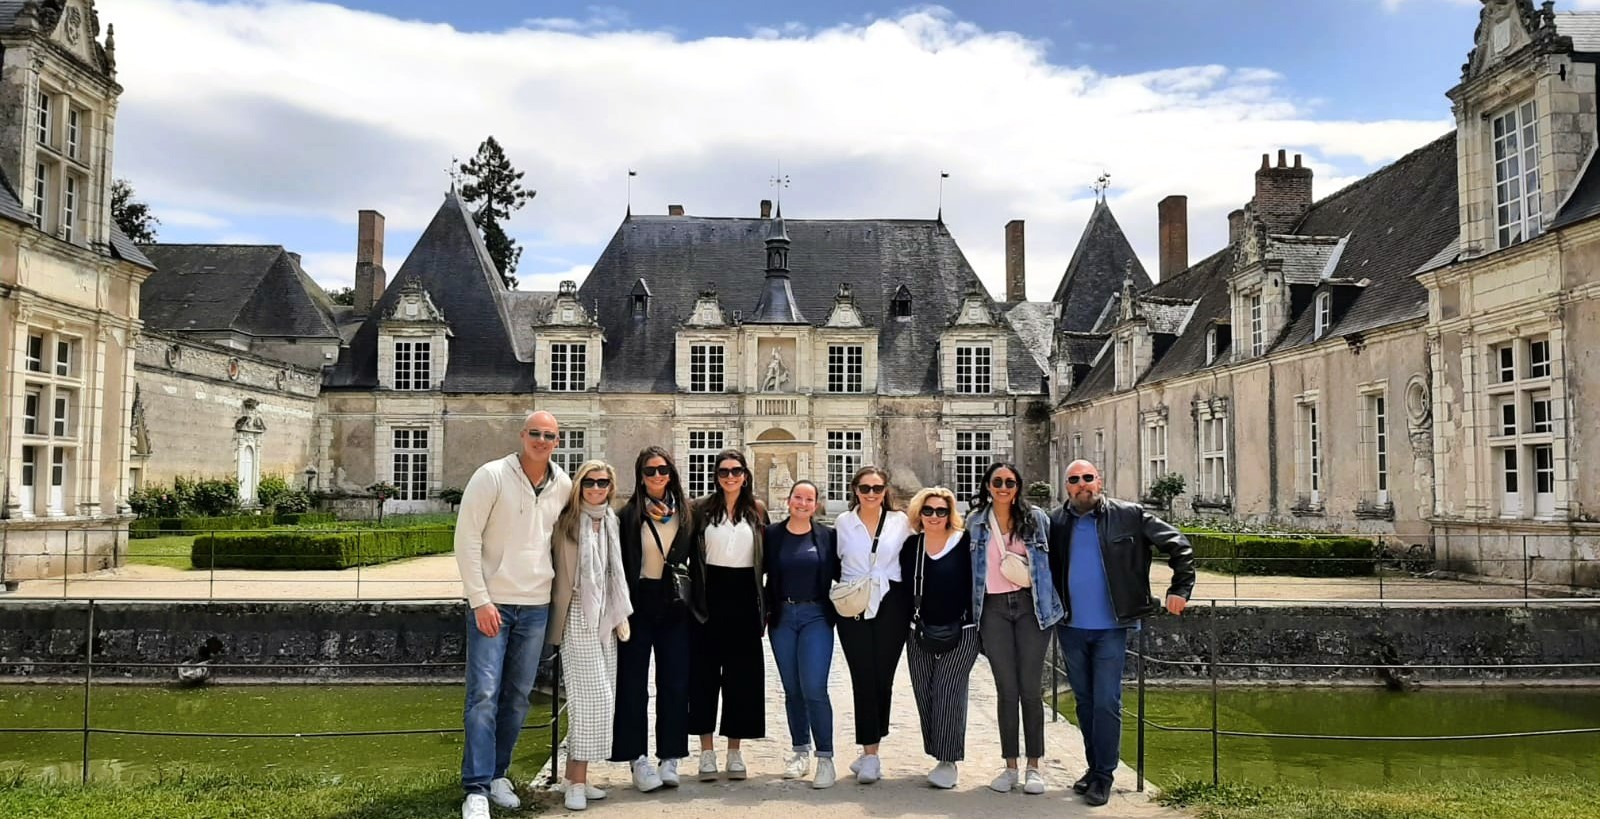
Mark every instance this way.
x=777 y=373
x=779 y=481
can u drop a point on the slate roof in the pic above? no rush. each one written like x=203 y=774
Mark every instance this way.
x=1035 y=326
x=678 y=256
x=1584 y=201
x=529 y=308
x=8 y=12
x=257 y=290
x=1094 y=274
x=452 y=265
x=1582 y=27
x=1303 y=258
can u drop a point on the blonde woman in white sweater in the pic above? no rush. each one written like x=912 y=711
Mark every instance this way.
x=588 y=615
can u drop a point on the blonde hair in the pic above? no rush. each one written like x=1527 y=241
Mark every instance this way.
x=567 y=524
x=914 y=509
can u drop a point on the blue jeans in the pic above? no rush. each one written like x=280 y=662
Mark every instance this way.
x=1095 y=658
x=500 y=676
x=802 y=645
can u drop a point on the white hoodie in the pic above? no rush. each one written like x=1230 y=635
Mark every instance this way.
x=502 y=539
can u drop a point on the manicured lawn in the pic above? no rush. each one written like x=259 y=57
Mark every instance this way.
x=1546 y=797
x=171 y=551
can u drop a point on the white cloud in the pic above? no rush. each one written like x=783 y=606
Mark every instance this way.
x=600 y=18
x=287 y=108
x=180 y=217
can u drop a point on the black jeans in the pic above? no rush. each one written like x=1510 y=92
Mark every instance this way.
x=662 y=627
x=872 y=649
x=726 y=659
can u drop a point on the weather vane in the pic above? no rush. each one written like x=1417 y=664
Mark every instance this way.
x=943 y=175
x=1100 y=186
x=631 y=174
x=454 y=171
x=779 y=181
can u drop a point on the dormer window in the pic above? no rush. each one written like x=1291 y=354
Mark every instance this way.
x=1324 y=315
x=641 y=305
x=1516 y=174
x=1258 y=332
x=1211 y=346
x=900 y=306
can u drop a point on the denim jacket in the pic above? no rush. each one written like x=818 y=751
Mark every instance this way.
x=1046 y=603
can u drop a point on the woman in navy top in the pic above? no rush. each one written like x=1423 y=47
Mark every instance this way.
x=801 y=561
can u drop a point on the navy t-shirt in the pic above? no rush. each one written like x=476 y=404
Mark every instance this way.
x=799 y=567
x=946 y=581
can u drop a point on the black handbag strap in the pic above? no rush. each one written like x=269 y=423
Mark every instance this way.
x=916 y=577
x=872 y=559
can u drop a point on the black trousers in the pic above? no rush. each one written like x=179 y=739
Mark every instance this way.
x=726 y=660
x=872 y=649
x=663 y=628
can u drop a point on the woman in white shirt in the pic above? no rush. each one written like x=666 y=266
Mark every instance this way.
x=725 y=654
x=870 y=535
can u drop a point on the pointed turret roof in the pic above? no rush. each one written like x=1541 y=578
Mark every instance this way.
x=1095 y=274
x=777 y=304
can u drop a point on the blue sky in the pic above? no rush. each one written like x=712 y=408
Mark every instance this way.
x=275 y=121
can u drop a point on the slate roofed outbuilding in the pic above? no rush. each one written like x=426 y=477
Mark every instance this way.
x=451 y=263
x=680 y=256
x=1101 y=260
x=254 y=290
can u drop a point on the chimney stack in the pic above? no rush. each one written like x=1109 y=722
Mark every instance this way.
x=370 y=278
x=1235 y=227
x=766 y=208
x=674 y=210
x=1283 y=193
x=1173 y=217
x=1016 y=259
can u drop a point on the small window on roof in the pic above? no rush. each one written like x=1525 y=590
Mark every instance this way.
x=900 y=306
x=1324 y=315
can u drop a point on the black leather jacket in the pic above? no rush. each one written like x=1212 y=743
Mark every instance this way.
x=1128 y=537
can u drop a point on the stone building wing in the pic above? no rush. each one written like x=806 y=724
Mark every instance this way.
x=453 y=266
x=254 y=290
x=1101 y=260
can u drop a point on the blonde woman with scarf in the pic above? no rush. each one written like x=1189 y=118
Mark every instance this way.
x=588 y=616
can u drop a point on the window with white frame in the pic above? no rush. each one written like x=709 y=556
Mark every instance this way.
x=42 y=121
x=1258 y=335
x=706 y=367
x=703 y=448
x=66 y=355
x=974 y=453
x=1099 y=456
x=844 y=458
x=30 y=410
x=69 y=208
x=413 y=365
x=41 y=194
x=410 y=474
x=1077 y=445
x=35 y=354
x=1544 y=480
x=1378 y=418
x=61 y=425
x=1213 y=454
x=51 y=406
x=1539 y=357
x=1510 y=482
x=1309 y=458
x=1541 y=414
x=569 y=367
x=974 y=369
x=1324 y=315
x=845 y=367
x=1211 y=345
x=570 y=451
x=1516 y=174
x=29 y=494
x=1524 y=425
x=75 y=119
x=1155 y=450
x=59 y=461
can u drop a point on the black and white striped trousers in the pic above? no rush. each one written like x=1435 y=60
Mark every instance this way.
x=940 y=686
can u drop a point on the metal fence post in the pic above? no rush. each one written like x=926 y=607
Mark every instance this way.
x=1235 y=572
x=66 y=558
x=211 y=590
x=88 y=685
x=1142 y=631
x=1216 y=747
x=359 y=556
x=555 y=713
x=1055 y=677
x=1527 y=569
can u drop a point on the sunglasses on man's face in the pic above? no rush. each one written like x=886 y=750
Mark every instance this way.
x=1003 y=483
x=935 y=512
x=653 y=471
x=536 y=434
x=596 y=483
x=1080 y=478
x=871 y=488
x=730 y=471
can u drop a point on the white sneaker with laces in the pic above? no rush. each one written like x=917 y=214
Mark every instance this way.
x=1033 y=782
x=503 y=794
x=825 y=776
x=871 y=770
x=708 y=766
x=798 y=766
x=576 y=799
x=943 y=775
x=476 y=807
x=668 y=773
x=855 y=767
x=592 y=793
x=736 y=769
x=645 y=778
x=1005 y=781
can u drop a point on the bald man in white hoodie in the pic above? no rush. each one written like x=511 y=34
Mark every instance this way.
x=502 y=547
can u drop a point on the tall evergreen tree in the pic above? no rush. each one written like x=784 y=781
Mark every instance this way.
x=495 y=187
x=131 y=216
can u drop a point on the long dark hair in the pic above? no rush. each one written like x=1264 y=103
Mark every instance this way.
x=635 y=504
x=890 y=502
x=744 y=508
x=1021 y=511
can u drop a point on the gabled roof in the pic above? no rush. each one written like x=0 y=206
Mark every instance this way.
x=256 y=290
x=680 y=256
x=1102 y=258
x=453 y=267
x=1035 y=326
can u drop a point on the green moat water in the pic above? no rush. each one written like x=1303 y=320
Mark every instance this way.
x=245 y=709
x=1365 y=712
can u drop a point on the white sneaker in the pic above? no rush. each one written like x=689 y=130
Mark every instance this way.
x=855 y=767
x=1033 y=782
x=576 y=798
x=871 y=770
x=943 y=775
x=503 y=794
x=736 y=769
x=645 y=778
x=476 y=807
x=825 y=776
x=592 y=793
x=668 y=772
x=708 y=766
x=798 y=766
x=1005 y=781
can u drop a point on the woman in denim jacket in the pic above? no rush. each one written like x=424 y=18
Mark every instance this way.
x=1014 y=620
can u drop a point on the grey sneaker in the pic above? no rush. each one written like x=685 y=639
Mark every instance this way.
x=503 y=794
x=1005 y=781
x=736 y=769
x=668 y=772
x=871 y=769
x=825 y=776
x=1033 y=782
x=943 y=775
x=645 y=778
x=476 y=807
x=798 y=765
x=708 y=766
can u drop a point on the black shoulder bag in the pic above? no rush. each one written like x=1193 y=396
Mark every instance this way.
x=680 y=591
x=934 y=639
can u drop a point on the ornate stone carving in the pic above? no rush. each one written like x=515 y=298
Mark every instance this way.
x=777 y=373
x=73 y=27
x=250 y=422
x=139 y=430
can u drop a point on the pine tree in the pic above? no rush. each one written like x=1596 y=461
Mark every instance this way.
x=493 y=182
x=131 y=216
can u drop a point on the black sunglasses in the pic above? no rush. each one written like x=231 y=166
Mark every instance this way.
x=1080 y=478
x=730 y=471
x=652 y=471
x=871 y=488
x=1003 y=483
x=537 y=434
x=936 y=511
x=596 y=483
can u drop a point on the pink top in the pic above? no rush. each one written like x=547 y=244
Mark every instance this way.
x=994 y=581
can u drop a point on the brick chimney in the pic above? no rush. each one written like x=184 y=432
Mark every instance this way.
x=766 y=208
x=1235 y=227
x=1173 y=217
x=1283 y=193
x=1016 y=263
x=674 y=210
x=370 y=278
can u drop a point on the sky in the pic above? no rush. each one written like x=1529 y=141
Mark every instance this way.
x=275 y=121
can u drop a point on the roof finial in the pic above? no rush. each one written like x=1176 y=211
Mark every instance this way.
x=454 y=171
x=943 y=175
x=631 y=174
x=779 y=181
x=1100 y=186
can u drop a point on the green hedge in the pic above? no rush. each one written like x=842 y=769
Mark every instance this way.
x=311 y=549
x=154 y=527
x=1283 y=555
x=304 y=518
